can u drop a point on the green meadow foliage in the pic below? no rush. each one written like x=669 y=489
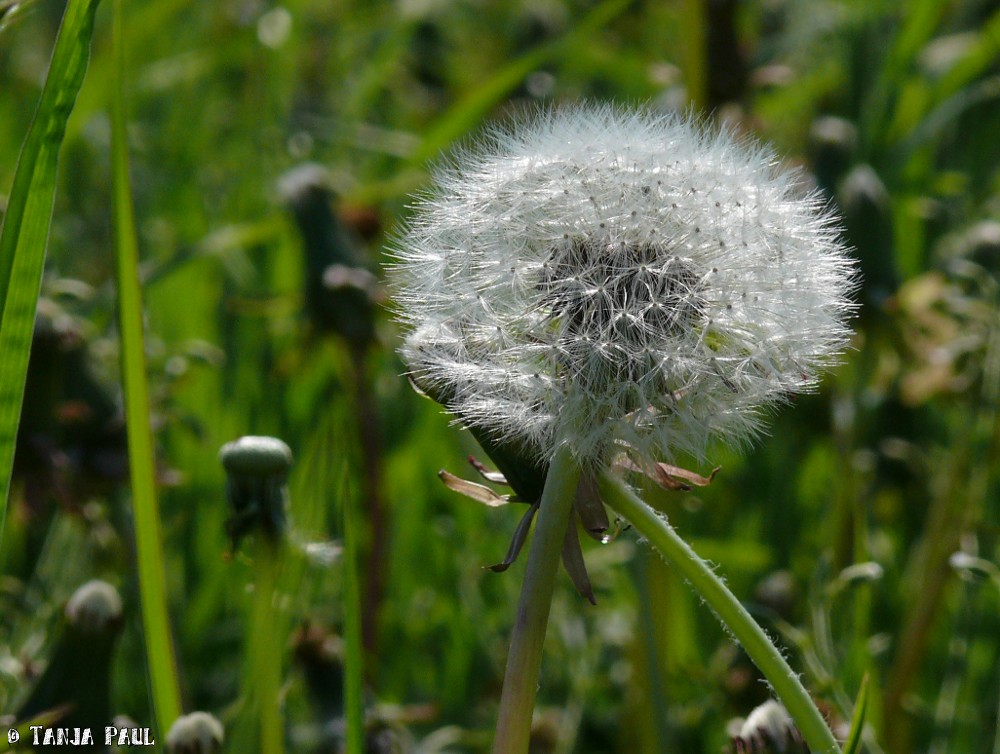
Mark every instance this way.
x=258 y=161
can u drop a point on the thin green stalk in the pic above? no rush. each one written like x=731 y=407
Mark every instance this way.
x=148 y=535
x=946 y=709
x=995 y=578
x=695 y=53
x=654 y=641
x=949 y=515
x=353 y=656
x=25 y=229
x=379 y=524
x=517 y=701
x=266 y=652
x=996 y=732
x=733 y=615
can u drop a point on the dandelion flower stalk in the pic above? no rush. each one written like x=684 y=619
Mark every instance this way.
x=265 y=653
x=256 y=474
x=525 y=657
x=727 y=607
x=604 y=289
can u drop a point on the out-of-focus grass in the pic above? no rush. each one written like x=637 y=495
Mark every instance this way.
x=142 y=462
x=895 y=462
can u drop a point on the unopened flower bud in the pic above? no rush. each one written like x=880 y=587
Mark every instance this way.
x=858 y=573
x=867 y=571
x=832 y=143
x=868 y=226
x=96 y=607
x=981 y=244
x=778 y=592
x=973 y=568
x=769 y=730
x=256 y=468
x=78 y=674
x=195 y=733
x=340 y=292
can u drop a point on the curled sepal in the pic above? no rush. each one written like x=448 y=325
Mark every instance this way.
x=478 y=492
x=587 y=508
x=572 y=558
x=669 y=477
x=674 y=477
x=590 y=508
x=608 y=538
x=496 y=477
x=520 y=535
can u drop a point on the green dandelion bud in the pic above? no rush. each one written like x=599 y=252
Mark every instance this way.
x=196 y=733
x=768 y=730
x=78 y=677
x=95 y=608
x=971 y=568
x=340 y=292
x=832 y=143
x=981 y=244
x=868 y=228
x=257 y=468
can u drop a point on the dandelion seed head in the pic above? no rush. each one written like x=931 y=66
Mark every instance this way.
x=612 y=278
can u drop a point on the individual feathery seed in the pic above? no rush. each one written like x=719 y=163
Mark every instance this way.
x=617 y=280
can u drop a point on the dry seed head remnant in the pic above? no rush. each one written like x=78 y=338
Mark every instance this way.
x=614 y=279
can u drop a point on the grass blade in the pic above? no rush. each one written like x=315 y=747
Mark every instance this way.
x=25 y=229
x=148 y=536
x=853 y=743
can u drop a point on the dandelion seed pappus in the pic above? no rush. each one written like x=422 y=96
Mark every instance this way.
x=610 y=278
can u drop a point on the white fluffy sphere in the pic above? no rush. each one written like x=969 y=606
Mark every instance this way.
x=617 y=279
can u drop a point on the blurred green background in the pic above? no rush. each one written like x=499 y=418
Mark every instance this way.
x=839 y=530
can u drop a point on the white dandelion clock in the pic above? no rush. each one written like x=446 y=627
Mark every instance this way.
x=594 y=283
x=611 y=279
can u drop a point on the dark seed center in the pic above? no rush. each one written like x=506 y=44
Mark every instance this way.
x=622 y=296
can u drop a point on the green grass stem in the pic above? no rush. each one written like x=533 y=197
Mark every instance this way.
x=148 y=535
x=853 y=743
x=25 y=230
x=733 y=615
